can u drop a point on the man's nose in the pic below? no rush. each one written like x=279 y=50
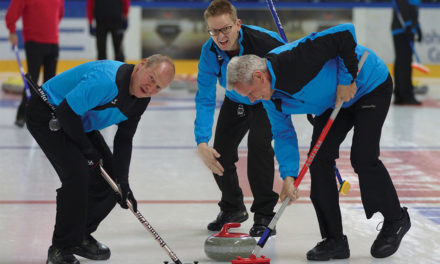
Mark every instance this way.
x=221 y=34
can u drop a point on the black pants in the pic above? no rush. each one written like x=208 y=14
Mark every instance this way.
x=404 y=90
x=103 y=27
x=84 y=198
x=366 y=116
x=234 y=121
x=37 y=55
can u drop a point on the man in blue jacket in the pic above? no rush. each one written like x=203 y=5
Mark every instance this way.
x=311 y=76
x=237 y=117
x=402 y=36
x=64 y=116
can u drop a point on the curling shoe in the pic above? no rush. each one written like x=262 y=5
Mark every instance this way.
x=20 y=122
x=228 y=217
x=260 y=225
x=92 y=249
x=330 y=248
x=60 y=256
x=389 y=237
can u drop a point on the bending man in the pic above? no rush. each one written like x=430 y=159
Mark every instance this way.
x=310 y=76
x=88 y=98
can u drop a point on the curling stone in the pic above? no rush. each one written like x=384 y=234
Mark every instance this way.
x=13 y=85
x=225 y=246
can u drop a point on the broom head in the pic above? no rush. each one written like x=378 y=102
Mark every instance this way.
x=251 y=260
x=345 y=187
x=420 y=67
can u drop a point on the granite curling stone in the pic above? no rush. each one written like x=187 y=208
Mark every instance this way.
x=225 y=246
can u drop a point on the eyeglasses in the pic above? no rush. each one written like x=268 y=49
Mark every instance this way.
x=224 y=30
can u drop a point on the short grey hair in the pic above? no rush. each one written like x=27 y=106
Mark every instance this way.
x=240 y=69
x=155 y=59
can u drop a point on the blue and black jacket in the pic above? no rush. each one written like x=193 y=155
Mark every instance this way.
x=93 y=96
x=409 y=9
x=212 y=68
x=305 y=74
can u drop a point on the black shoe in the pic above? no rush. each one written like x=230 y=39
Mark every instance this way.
x=388 y=239
x=227 y=217
x=19 y=122
x=92 y=249
x=330 y=248
x=411 y=101
x=60 y=256
x=260 y=225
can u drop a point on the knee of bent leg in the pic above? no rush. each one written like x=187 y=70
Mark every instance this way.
x=361 y=161
x=259 y=143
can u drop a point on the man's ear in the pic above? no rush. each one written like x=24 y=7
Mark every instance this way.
x=239 y=24
x=258 y=75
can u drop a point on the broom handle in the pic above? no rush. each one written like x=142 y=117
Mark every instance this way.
x=334 y=114
x=26 y=87
x=338 y=175
x=141 y=218
x=276 y=19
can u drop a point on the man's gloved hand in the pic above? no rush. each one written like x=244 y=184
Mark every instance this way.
x=92 y=30
x=126 y=193
x=408 y=32
x=419 y=34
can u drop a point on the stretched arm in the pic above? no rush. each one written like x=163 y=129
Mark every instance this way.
x=123 y=145
x=286 y=149
x=205 y=107
x=90 y=10
x=15 y=11
x=205 y=97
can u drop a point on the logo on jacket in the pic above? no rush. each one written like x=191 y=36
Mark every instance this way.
x=220 y=59
x=114 y=101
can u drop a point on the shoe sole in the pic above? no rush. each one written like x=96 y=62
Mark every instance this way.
x=345 y=256
x=342 y=255
x=94 y=257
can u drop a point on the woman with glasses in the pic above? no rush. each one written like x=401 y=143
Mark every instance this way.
x=237 y=117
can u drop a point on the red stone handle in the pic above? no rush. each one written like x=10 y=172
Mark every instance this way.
x=226 y=227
